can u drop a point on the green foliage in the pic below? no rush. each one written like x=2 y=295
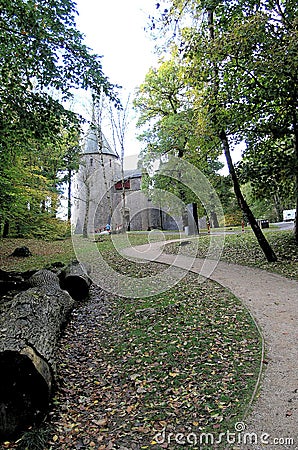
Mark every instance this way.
x=269 y=166
x=240 y=70
x=165 y=104
x=233 y=219
x=269 y=206
x=30 y=183
x=44 y=227
x=41 y=48
x=43 y=59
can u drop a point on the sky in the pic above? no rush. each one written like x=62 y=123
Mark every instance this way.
x=115 y=29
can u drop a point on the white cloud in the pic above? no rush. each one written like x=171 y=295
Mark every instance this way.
x=115 y=29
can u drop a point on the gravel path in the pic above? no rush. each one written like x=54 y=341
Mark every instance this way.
x=273 y=302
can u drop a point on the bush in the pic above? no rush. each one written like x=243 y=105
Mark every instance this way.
x=41 y=226
x=233 y=219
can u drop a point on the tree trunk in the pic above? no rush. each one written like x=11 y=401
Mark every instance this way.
x=5 y=228
x=86 y=218
x=69 y=194
x=124 y=225
x=43 y=206
x=295 y=127
x=265 y=246
x=278 y=206
x=269 y=253
x=214 y=220
x=29 y=334
x=213 y=216
x=196 y=218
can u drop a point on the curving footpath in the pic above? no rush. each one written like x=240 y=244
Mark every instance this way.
x=273 y=302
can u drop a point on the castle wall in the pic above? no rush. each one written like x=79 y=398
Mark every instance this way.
x=94 y=183
x=94 y=189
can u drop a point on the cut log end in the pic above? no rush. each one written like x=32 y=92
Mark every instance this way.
x=24 y=392
x=75 y=280
x=76 y=286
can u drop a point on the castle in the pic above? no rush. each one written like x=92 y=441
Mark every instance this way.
x=105 y=195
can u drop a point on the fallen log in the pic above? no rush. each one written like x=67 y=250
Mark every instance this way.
x=12 y=281
x=75 y=280
x=28 y=341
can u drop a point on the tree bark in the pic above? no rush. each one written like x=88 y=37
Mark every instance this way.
x=5 y=229
x=265 y=246
x=278 y=206
x=29 y=333
x=295 y=127
x=196 y=218
x=69 y=175
x=86 y=218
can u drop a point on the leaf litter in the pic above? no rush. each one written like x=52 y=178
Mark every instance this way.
x=189 y=366
x=184 y=361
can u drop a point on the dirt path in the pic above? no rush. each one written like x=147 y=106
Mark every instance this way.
x=273 y=302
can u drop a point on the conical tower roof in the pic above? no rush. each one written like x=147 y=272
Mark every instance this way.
x=94 y=145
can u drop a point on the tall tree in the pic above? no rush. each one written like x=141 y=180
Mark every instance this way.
x=259 y=48
x=119 y=120
x=166 y=110
x=231 y=51
x=223 y=124
x=269 y=166
x=43 y=59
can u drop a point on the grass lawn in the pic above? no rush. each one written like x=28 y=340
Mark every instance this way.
x=44 y=253
x=184 y=361
x=243 y=248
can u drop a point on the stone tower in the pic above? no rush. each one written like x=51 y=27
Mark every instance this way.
x=98 y=191
x=99 y=170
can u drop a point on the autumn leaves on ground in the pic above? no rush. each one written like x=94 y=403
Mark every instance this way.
x=132 y=371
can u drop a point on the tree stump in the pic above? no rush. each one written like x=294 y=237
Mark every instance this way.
x=21 y=252
x=28 y=341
